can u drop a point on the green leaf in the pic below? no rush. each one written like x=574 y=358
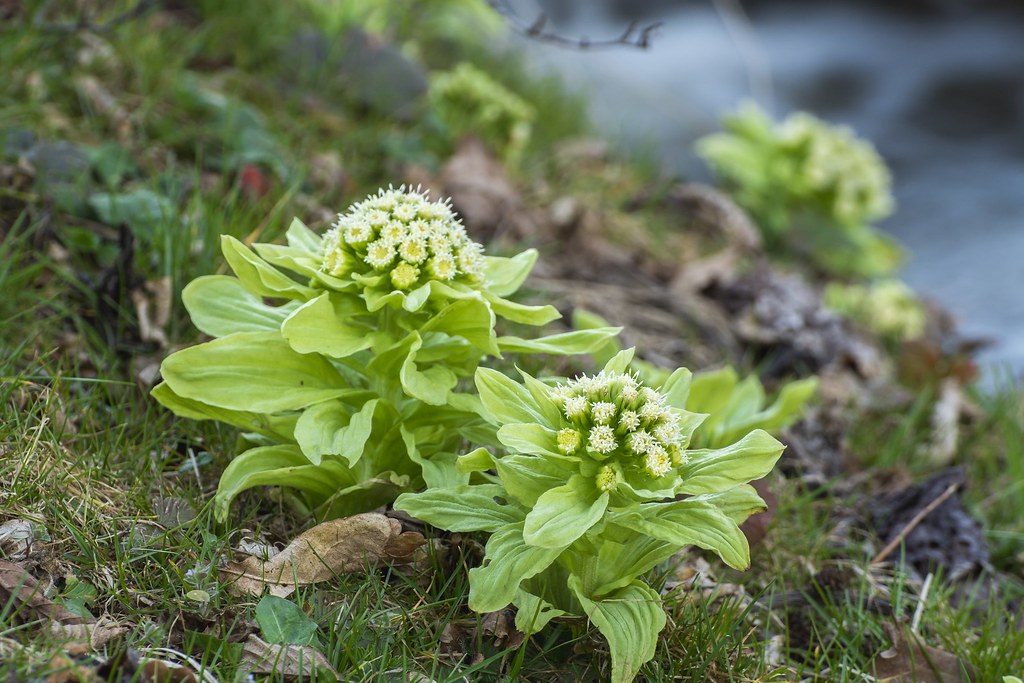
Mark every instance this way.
x=276 y=427
x=258 y=276
x=479 y=460
x=695 y=521
x=462 y=508
x=508 y=561
x=282 y=621
x=301 y=237
x=630 y=619
x=143 y=210
x=710 y=391
x=526 y=477
x=565 y=344
x=533 y=613
x=521 y=313
x=252 y=371
x=470 y=319
x=585 y=320
x=219 y=305
x=677 y=388
x=531 y=439
x=783 y=412
x=324 y=325
x=431 y=386
x=505 y=400
x=619 y=363
x=713 y=470
x=505 y=275
x=279 y=466
x=328 y=429
x=563 y=514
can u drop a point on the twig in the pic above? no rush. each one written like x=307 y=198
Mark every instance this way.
x=912 y=524
x=85 y=23
x=634 y=36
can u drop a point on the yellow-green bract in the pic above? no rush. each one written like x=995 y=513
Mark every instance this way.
x=599 y=486
x=342 y=366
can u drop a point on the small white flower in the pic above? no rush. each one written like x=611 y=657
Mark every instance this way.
x=667 y=433
x=602 y=411
x=602 y=439
x=629 y=420
x=413 y=250
x=380 y=254
x=575 y=407
x=657 y=461
x=404 y=212
x=358 y=233
x=640 y=442
x=650 y=411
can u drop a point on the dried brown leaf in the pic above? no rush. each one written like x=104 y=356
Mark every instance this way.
x=20 y=589
x=325 y=551
x=287 y=661
x=909 y=660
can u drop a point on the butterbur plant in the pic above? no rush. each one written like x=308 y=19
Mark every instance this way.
x=599 y=485
x=340 y=357
x=808 y=185
x=887 y=307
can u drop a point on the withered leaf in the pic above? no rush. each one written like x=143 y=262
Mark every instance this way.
x=911 y=661
x=20 y=589
x=335 y=547
x=287 y=661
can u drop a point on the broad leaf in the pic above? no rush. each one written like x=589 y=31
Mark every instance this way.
x=282 y=621
x=505 y=400
x=531 y=439
x=252 y=371
x=219 y=305
x=462 y=508
x=324 y=326
x=521 y=313
x=619 y=363
x=630 y=619
x=508 y=562
x=563 y=514
x=471 y=319
x=526 y=477
x=533 y=613
x=692 y=522
x=301 y=237
x=276 y=427
x=506 y=275
x=713 y=470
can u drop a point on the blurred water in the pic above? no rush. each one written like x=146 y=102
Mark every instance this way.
x=943 y=100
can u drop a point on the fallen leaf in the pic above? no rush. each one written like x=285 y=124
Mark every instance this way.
x=287 y=661
x=154 y=665
x=336 y=547
x=22 y=592
x=16 y=537
x=88 y=636
x=909 y=660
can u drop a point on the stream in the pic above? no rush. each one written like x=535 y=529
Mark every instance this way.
x=941 y=98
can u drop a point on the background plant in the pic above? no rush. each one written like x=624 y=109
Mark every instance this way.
x=346 y=383
x=808 y=185
x=599 y=486
x=886 y=307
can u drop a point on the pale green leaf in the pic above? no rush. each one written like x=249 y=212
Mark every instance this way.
x=526 y=477
x=693 y=521
x=563 y=514
x=479 y=460
x=531 y=439
x=276 y=427
x=283 y=465
x=533 y=613
x=258 y=276
x=252 y=371
x=677 y=388
x=630 y=619
x=713 y=470
x=619 y=363
x=471 y=319
x=301 y=237
x=508 y=561
x=505 y=275
x=219 y=305
x=564 y=344
x=462 y=508
x=325 y=325
x=328 y=429
x=505 y=400
x=521 y=313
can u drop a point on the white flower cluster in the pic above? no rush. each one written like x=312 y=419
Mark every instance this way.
x=402 y=233
x=613 y=418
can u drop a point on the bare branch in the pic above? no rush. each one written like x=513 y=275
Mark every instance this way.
x=631 y=37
